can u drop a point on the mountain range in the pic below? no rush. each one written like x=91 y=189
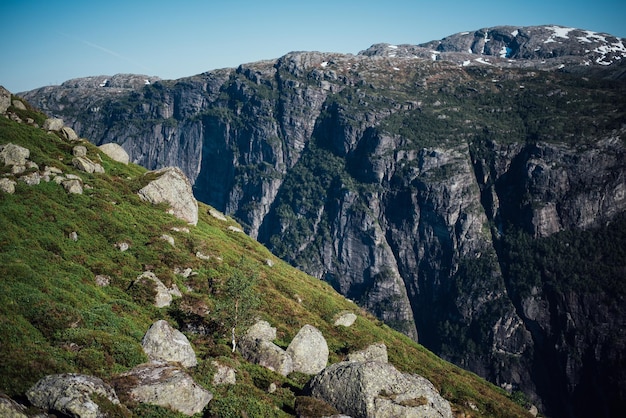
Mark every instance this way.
x=469 y=192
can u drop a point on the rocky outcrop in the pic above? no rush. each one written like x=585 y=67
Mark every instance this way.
x=5 y=100
x=71 y=394
x=173 y=187
x=308 y=350
x=164 y=343
x=375 y=389
x=165 y=385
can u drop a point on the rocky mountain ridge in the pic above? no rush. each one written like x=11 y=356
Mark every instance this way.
x=417 y=180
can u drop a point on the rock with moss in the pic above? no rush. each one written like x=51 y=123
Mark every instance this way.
x=308 y=350
x=376 y=389
x=164 y=343
x=163 y=384
x=71 y=394
x=173 y=187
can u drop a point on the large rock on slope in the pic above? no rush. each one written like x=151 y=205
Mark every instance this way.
x=162 y=342
x=377 y=390
x=115 y=152
x=71 y=394
x=173 y=187
x=308 y=350
x=163 y=384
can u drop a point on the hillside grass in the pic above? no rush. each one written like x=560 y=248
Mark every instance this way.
x=54 y=318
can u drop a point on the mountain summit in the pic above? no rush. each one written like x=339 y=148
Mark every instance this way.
x=467 y=191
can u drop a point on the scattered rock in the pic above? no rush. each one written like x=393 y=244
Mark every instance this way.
x=115 y=152
x=73 y=236
x=202 y=256
x=9 y=408
x=257 y=347
x=234 y=229
x=308 y=350
x=164 y=343
x=102 y=280
x=173 y=187
x=32 y=179
x=5 y=100
x=73 y=186
x=71 y=394
x=7 y=186
x=217 y=214
x=269 y=262
x=183 y=230
x=261 y=330
x=18 y=104
x=224 y=375
x=69 y=134
x=122 y=246
x=53 y=124
x=266 y=354
x=79 y=151
x=164 y=295
x=374 y=389
x=163 y=384
x=169 y=239
x=346 y=319
x=86 y=165
x=11 y=154
x=375 y=352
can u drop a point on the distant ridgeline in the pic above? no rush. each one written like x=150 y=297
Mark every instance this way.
x=469 y=192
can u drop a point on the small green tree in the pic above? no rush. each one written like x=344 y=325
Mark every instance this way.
x=239 y=299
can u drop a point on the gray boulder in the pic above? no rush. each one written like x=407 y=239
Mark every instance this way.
x=163 y=384
x=261 y=330
x=69 y=134
x=79 y=151
x=164 y=343
x=173 y=187
x=5 y=100
x=7 y=186
x=374 y=352
x=224 y=375
x=266 y=354
x=308 y=350
x=375 y=389
x=163 y=295
x=256 y=346
x=346 y=319
x=115 y=152
x=9 y=408
x=11 y=154
x=71 y=394
x=53 y=124
x=86 y=165
x=72 y=186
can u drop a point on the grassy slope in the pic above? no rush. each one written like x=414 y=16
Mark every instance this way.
x=53 y=318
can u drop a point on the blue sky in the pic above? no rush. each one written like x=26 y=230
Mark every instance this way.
x=48 y=42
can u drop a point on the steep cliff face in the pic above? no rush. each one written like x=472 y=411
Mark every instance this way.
x=453 y=196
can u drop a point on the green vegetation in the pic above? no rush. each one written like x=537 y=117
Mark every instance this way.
x=54 y=318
